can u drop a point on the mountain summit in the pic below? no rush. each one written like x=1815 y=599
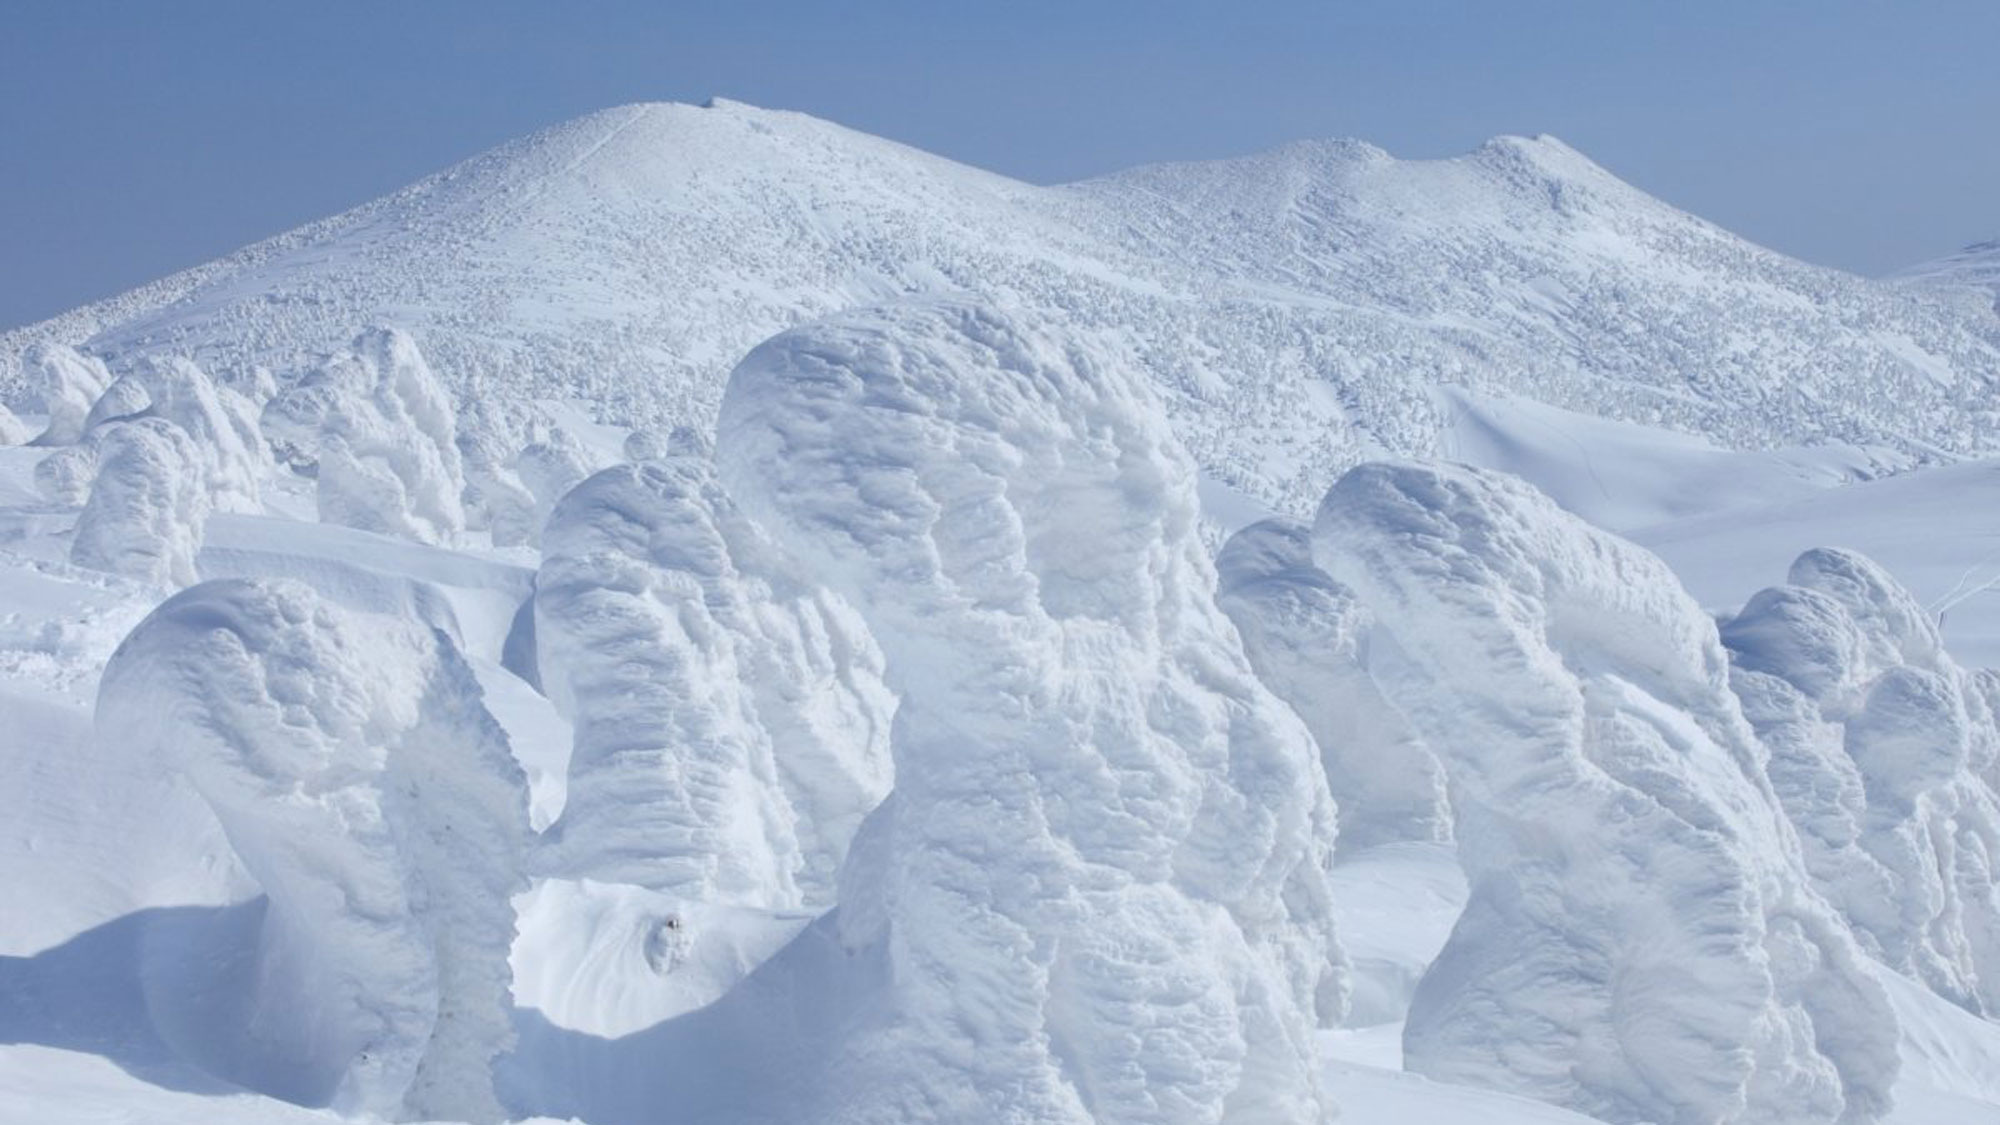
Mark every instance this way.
x=1295 y=308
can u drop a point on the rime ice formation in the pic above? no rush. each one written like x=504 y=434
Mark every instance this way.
x=379 y=432
x=219 y=421
x=1641 y=942
x=126 y=397
x=731 y=726
x=62 y=383
x=362 y=783
x=13 y=431
x=550 y=467
x=1883 y=751
x=147 y=502
x=1307 y=637
x=1099 y=884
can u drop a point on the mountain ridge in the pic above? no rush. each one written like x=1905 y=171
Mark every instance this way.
x=1295 y=306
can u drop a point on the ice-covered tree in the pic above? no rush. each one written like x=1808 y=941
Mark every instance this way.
x=730 y=717
x=1884 y=753
x=1098 y=890
x=353 y=766
x=147 y=501
x=1307 y=637
x=1642 y=941
x=377 y=430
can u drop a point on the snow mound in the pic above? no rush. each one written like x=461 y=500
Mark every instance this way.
x=147 y=501
x=731 y=722
x=1884 y=752
x=362 y=783
x=1307 y=638
x=378 y=431
x=1641 y=942
x=221 y=423
x=1099 y=888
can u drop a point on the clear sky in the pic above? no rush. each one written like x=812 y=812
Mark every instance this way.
x=142 y=136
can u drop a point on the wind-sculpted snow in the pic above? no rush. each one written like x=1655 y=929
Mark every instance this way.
x=1641 y=942
x=148 y=500
x=1883 y=751
x=62 y=383
x=1307 y=637
x=379 y=433
x=731 y=722
x=362 y=783
x=1099 y=886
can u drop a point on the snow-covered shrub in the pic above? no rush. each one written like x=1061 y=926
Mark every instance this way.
x=1882 y=750
x=1642 y=942
x=352 y=764
x=1098 y=889
x=731 y=722
x=377 y=429
x=1307 y=637
x=147 y=501
x=64 y=383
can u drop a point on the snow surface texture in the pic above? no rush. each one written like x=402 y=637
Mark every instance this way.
x=1099 y=886
x=1641 y=942
x=1291 y=309
x=379 y=434
x=1883 y=751
x=731 y=721
x=363 y=785
x=1307 y=638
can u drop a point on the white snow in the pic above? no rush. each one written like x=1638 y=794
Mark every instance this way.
x=526 y=744
x=1098 y=885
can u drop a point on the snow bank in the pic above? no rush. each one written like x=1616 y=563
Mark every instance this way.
x=63 y=383
x=1307 y=637
x=1883 y=751
x=730 y=717
x=1641 y=942
x=147 y=501
x=1099 y=885
x=362 y=783
x=378 y=431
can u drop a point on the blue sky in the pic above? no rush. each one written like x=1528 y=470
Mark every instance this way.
x=141 y=137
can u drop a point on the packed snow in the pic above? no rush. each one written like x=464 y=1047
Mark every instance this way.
x=703 y=615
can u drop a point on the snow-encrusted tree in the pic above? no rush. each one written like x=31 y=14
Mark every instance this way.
x=148 y=499
x=1098 y=889
x=1642 y=942
x=1307 y=637
x=353 y=766
x=377 y=430
x=220 y=422
x=730 y=717
x=63 y=383
x=1883 y=751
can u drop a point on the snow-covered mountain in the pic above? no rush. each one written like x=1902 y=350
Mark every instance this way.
x=702 y=615
x=1975 y=267
x=1294 y=309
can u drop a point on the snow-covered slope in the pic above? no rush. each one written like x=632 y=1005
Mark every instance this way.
x=1975 y=267
x=880 y=739
x=1291 y=308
